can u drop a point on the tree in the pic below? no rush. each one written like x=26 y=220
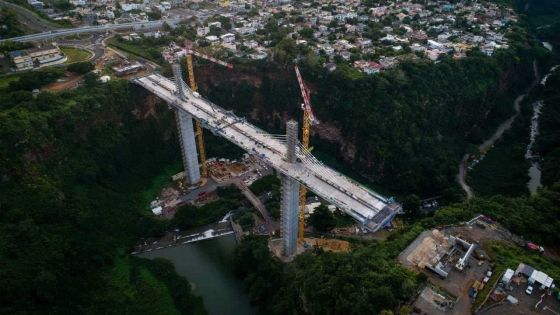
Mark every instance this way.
x=285 y=51
x=81 y=67
x=411 y=203
x=306 y=33
x=7 y=46
x=95 y=197
x=63 y=5
x=214 y=30
x=247 y=220
x=322 y=219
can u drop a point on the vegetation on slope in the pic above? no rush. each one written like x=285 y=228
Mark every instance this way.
x=405 y=129
x=548 y=141
x=10 y=25
x=72 y=168
x=269 y=184
x=368 y=279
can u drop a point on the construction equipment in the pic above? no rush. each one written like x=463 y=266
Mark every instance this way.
x=188 y=52
x=199 y=136
x=308 y=120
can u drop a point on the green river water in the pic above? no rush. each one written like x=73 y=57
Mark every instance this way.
x=209 y=268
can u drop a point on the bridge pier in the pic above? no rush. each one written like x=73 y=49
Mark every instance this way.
x=290 y=196
x=186 y=133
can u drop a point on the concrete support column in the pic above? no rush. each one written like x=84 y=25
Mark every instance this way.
x=188 y=146
x=186 y=133
x=290 y=196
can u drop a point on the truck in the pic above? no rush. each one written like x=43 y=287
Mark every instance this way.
x=535 y=247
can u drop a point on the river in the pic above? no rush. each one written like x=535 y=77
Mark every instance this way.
x=535 y=172
x=487 y=145
x=208 y=265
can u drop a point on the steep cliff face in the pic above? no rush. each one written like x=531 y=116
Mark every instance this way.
x=405 y=129
x=269 y=97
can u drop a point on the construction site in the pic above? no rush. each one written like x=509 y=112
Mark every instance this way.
x=460 y=271
x=298 y=169
x=221 y=172
x=309 y=244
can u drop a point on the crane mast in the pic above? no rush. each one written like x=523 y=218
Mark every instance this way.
x=308 y=119
x=199 y=135
x=188 y=53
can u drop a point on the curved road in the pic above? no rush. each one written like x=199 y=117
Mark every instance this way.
x=486 y=145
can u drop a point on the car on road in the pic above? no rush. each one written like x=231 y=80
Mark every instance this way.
x=529 y=290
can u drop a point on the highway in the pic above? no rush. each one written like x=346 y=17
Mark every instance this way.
x=35 y=22
x=364 y=205
x=93 y=29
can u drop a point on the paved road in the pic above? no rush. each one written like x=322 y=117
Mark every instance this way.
x=50 y=30
x=210 y=186
x=255 y=201
x=29 y=18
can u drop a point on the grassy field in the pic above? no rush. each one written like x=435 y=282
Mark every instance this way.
x=147 y=52
x=75 y=54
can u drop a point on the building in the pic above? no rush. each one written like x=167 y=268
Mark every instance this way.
x=535 y=277
x=128 y=69
x=228 y=38
x=38 y=5
x=28 y=59
x=368 y=67
x=212 y=39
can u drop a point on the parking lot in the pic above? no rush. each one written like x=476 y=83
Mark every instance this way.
x=527 y=303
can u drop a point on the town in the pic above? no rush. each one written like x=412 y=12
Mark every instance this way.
x=239 y=157
x=370 y=38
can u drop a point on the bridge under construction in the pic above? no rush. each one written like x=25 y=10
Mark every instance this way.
x=283 y=152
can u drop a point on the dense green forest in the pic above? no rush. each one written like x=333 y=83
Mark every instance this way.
x=72 y=169
x=544 y=17
x=369 y=279
x=548 y=141
x=446 y=119
x=404 y=129
x=74 y=166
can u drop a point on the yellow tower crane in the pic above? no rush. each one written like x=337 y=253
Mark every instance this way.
x=171 y=54
x=199 y=136
x=308 y=120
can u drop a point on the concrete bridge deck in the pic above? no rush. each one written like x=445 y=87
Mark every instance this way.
x=370 y=209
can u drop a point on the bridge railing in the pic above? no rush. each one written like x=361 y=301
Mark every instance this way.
x=371 y=203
